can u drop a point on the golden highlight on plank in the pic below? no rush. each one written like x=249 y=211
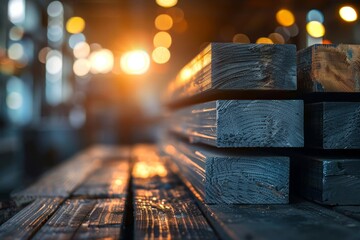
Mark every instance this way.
x=231 y=66
x=329 y=68
x=242 y=123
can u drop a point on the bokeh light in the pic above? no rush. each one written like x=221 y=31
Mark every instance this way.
x=16 y=11
x=102 y=61
x=162 y=39
x=55 y=9
x=43 y=53
x=161 y=55
x=177 y=14
x=285 y=17
x=55 y=33
x=315 y=15
x=81 y=50
x=166 y=3
x=81 y=67
x=277 y=38
x=163 y=22
x=16 y=51
x=75 y=25
x=241 y=38
x=135 y=62
x=264 y=40
x=348 y=14
x=54 y=62
x=315 y=29
x=16 y=33
x=75 y=39
x=326 y=41
x=14 y=100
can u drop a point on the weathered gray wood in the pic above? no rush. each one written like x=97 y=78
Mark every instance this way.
x=233 y=178
x=329 y=181
x=111 y=180
x=350 y=211
x=296 y=221
x=333 y=125
x=242 y=123
x=329 y=68
x=62 y=180
x=29 y=220
x=163 y=209
x=85 y=219
x=231 y=66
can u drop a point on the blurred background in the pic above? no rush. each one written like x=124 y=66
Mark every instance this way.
x=78 y=72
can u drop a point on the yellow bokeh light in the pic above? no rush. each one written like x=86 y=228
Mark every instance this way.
x=161 y=55
x=75 y=25
x=162 y=39
x=285 y=17
x=348 y=14
x=81 y=67
x=163 y=22
x=166 y=3
x=315 y=29
x=135 y=62
x=102 y=61
x=81 y=50
x=264 y=40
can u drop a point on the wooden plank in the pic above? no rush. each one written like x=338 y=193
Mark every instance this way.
x=111 y=180
x=333 y=125
x=296 y=221
x=350 y=211
x=62 y=180
x=329 y=68
x=109 y=152
x=29 y=220
x=231 y=66
x=232 y=177
x=329 y=181
x=104 y=221
x=163 y=209
x=242 y=123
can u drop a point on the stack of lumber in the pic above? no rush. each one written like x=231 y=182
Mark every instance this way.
x=329 y=77
x=239 y=96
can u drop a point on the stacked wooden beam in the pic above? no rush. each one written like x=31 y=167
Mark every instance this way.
x=236 y=96
x=329 y=77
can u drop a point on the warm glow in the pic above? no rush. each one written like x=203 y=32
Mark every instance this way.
x=264 y=40
x=326 y=41
x=149 y=169
x=102 y=61
x=81 y=67
x=75 y=25
x=241 y=38
x=43 y=53
x=16 y=33
x=163 y=22
x=161 y=55
x=135 y=62
x=315 y=29
x=285 y=17
x=162 y=39
x=348 y=14
x=166 y=3
x=81 y=50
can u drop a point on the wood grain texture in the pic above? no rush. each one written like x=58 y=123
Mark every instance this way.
x=296 y=221
x=61 y=181
x=165 y=210
x=231 y=66
x=29 y=220
x=329 y=68
x=223 y=177
x=329 y=181
x=242 y=123
x=85 y=219
x=111 y=180
x=333 y=125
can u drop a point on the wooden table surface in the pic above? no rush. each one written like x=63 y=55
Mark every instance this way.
x=132 y=193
